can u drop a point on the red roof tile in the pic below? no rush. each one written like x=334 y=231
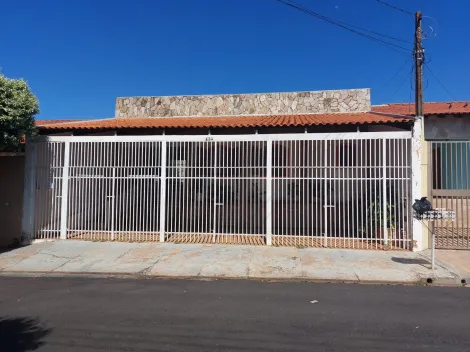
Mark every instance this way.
x=228 y=121
x=49 y=122
x=456 y=108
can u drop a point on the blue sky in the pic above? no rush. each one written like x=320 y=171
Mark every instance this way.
x=78 y=56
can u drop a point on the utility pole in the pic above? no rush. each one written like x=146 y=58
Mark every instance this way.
x=419 y=58
x=418 y=143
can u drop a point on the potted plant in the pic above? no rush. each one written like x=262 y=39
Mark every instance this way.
x=380 y=214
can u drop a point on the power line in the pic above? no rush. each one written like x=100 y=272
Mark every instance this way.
x=398 y=72
x=409 y=104
x=373 y=32
x=403 y=82
x=382 y=88
x=438 y=80
x=357 y=27
x=411 y=91
x=393 y=7
x=345 y=26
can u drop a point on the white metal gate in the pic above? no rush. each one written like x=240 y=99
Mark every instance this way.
x=114 y=191
x=216 y=191
x=348 y=190
x=49 y=168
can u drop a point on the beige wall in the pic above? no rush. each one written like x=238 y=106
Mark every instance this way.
x=11 y=199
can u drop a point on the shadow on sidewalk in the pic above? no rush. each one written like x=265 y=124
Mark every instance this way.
x=11 y=248
x=21 y=334
x=416 y=261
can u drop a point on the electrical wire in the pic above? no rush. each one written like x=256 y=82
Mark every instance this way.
x=345 y=26
x=356 y=27
x=398 y=72
x=409 y=104
x=374 y=32
x=412 y=90
x=402 y=83
x=439 y=81
x=393 y=7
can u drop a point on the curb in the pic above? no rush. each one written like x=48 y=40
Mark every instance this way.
x=102 y=275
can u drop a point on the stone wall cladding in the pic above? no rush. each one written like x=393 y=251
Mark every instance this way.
x=316 y=102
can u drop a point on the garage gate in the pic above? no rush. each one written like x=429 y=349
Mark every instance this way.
x=344 y=190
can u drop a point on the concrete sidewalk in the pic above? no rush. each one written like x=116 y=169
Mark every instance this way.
x=457 y=261
x=222 y=261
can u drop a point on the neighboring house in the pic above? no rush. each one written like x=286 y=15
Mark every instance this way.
x=445 y=165
x=318 y=169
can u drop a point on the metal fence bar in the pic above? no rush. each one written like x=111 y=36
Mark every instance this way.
x=384 y=191
x=163 y=185
x=269 y=196
x=279 y=190
x=326 y=195
x=47 y=190
x=65 y=193
x=235 y=137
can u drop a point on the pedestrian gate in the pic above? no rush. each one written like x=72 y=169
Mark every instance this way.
x=348 y=190
x=450 y=165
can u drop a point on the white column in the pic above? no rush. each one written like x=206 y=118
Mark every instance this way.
x=163 y=192
x=416 y=180
x=269 y=190
x=27 y=224
x=65 y=193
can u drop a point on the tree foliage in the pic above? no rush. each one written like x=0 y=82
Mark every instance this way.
x=18 y=105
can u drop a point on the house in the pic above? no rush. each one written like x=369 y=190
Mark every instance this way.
x=317 y=169
x=445 y=166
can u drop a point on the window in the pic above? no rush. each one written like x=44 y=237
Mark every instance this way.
x=451 y=165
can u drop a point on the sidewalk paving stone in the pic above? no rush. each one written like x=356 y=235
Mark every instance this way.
x=100 y=257
x=16 y=256
x=275 y=262
x=222 y=261
x=323 y=265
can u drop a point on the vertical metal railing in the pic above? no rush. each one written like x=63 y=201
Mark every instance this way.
x=450 y=169
x=342 y=193
x=216 y=191
x=49 y=158
x=114 y=191
x=65 y=192
x=269 y=192
x=345 y=191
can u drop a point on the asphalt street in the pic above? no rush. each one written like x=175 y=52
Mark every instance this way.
x=83 y=314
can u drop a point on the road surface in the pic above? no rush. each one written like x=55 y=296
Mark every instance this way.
x=78 y=314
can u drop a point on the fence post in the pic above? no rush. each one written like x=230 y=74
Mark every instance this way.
x=269 y=191
x=384 y=190
x=27 y=223
x=65 y=193
x=163 y=192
